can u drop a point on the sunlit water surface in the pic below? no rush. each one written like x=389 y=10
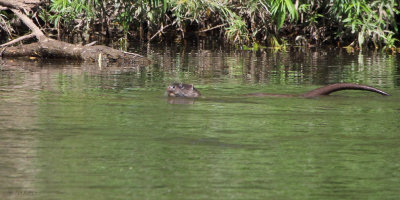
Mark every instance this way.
x=77 y=131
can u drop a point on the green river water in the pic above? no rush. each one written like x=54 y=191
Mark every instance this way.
x=76 y=131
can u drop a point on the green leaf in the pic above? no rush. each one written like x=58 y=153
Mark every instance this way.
x=280 y=19
x=347 y=20
x=292 y=10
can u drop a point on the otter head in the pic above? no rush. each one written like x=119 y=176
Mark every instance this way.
x=182 y=90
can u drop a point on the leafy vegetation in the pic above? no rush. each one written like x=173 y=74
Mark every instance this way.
x=352 y=23
x=368 y=21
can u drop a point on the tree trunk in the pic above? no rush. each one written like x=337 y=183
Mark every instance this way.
x=50 y=48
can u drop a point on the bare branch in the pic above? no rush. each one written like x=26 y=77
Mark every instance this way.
x=28 y=22
x=209 y=29
x=18 y=40
x=14 y=5
x=134 y=54
x=162 y=29
x=91 y=44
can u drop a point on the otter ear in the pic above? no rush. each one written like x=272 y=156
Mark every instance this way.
x=191 y=86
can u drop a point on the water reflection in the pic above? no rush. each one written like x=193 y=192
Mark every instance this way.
x=180 y=100
x=267 y=67
x=18 y=130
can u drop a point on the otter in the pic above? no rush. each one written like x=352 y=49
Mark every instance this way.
x=188 y=90
x=182 y=90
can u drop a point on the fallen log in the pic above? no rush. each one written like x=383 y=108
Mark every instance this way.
x=50 y=48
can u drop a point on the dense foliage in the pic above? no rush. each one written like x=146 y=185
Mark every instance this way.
x=357 y=23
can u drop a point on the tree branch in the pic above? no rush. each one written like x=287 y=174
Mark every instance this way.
x=14 y=5
x=31 y=25
x=209 y=29
x=18 y=39
x=162 y=29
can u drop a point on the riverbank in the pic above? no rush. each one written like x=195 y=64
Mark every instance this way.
x=353 y=24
